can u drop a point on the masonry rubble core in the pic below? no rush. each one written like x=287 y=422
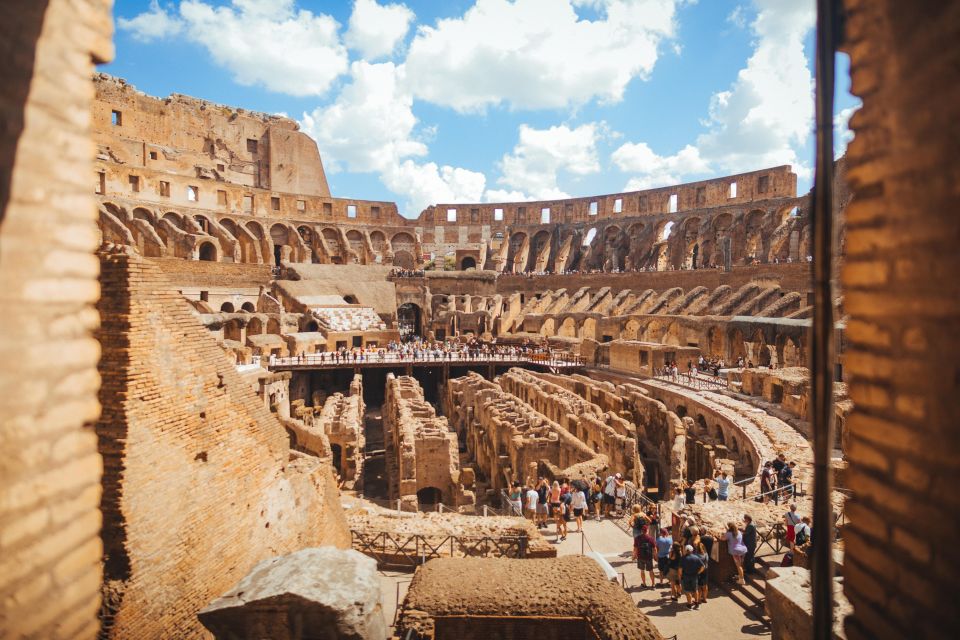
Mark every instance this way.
x=231 y=397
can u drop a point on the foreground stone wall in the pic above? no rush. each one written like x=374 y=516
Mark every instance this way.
x=199 y=480
x=50 y=473
x=903 y=296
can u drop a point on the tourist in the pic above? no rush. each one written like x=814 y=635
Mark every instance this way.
x=664 y=544
x=645 y=548
x=791 y=519
x=609 y=494
x=556 y=506
x=516 y=500
x=689 y=493
x=673 y=570
x=543 y=499
x=578 y=502
x=597 y=498
x=723 y=486
x=736 y=548
x=621 y=493
x=532 y=498
x=750 y=542
x=804 y=533
x=705 y=550
x=691 y=565
x=766 y=481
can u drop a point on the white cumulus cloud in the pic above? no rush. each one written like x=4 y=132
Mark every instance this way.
x=375 y=30
x=761 y=120
x=536 y=162
x=154 y=24
x=533 y=54
x=265 y=43
x=652 y=170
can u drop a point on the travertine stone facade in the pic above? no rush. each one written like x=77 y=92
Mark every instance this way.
x=903 y=296
x=423 y=459
x=50 y=474
x=200 y=483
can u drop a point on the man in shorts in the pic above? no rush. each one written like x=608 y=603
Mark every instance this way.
x=646 y=548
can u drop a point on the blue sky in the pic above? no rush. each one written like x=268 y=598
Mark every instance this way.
x=427 y=102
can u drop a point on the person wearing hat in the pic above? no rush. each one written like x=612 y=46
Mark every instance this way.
x=691 y=566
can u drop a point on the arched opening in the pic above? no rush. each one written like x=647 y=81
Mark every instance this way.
x=248 y=307
x=468 y=263
x=408 y=319
x=208 y=252
x=226 y=307
x=429 y=496
x=403 y=259
x=254 y=327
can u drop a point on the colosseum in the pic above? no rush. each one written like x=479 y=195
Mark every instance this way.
x=237 y=406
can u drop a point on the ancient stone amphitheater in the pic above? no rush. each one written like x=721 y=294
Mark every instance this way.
x=236 y=406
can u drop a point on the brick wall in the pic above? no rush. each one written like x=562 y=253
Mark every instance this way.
x=903 y=296
x=50 y=470
x=199 y=482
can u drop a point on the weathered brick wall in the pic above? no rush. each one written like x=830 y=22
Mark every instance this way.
x=903 y=296
x=50 y=470
x=199 y=482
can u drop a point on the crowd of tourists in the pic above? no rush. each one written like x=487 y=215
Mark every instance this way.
x=563 y=502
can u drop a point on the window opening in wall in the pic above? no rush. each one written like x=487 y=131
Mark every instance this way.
x=164 y=189
x=221 y=168
x=101 y=182
x=153 y=155
x=193 y=193
x=672 y=208
x=451 y=215
x=618 y=205
x=351 y=211
x=545 y=215
x=251 y=145
x=374 y=212
x=498 y=215
x=221 y=197
x=116 y=118
x=763 y=182
x=667 y=230
x=591 y=234
x=733 y=190
x=593 y=208
x=134 y=183
x=248 y=203
x=474 y=215
x=275 y=203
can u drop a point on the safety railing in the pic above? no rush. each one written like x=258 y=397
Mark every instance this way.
x=408 y=551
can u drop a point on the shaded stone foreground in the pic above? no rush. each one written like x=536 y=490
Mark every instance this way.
x=322 y=593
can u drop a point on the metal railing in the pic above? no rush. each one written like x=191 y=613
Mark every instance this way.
x=330 y=360
x=408 y=551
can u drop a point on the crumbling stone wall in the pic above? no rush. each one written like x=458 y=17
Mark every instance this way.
x=903 y=295
x=50 y=475
x=199 y=483
x=509 y=440
x=421 y=449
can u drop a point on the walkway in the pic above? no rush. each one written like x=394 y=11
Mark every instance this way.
x=558 y=363
x=720 y=617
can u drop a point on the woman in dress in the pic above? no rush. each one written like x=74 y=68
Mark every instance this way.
x=736 y=548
